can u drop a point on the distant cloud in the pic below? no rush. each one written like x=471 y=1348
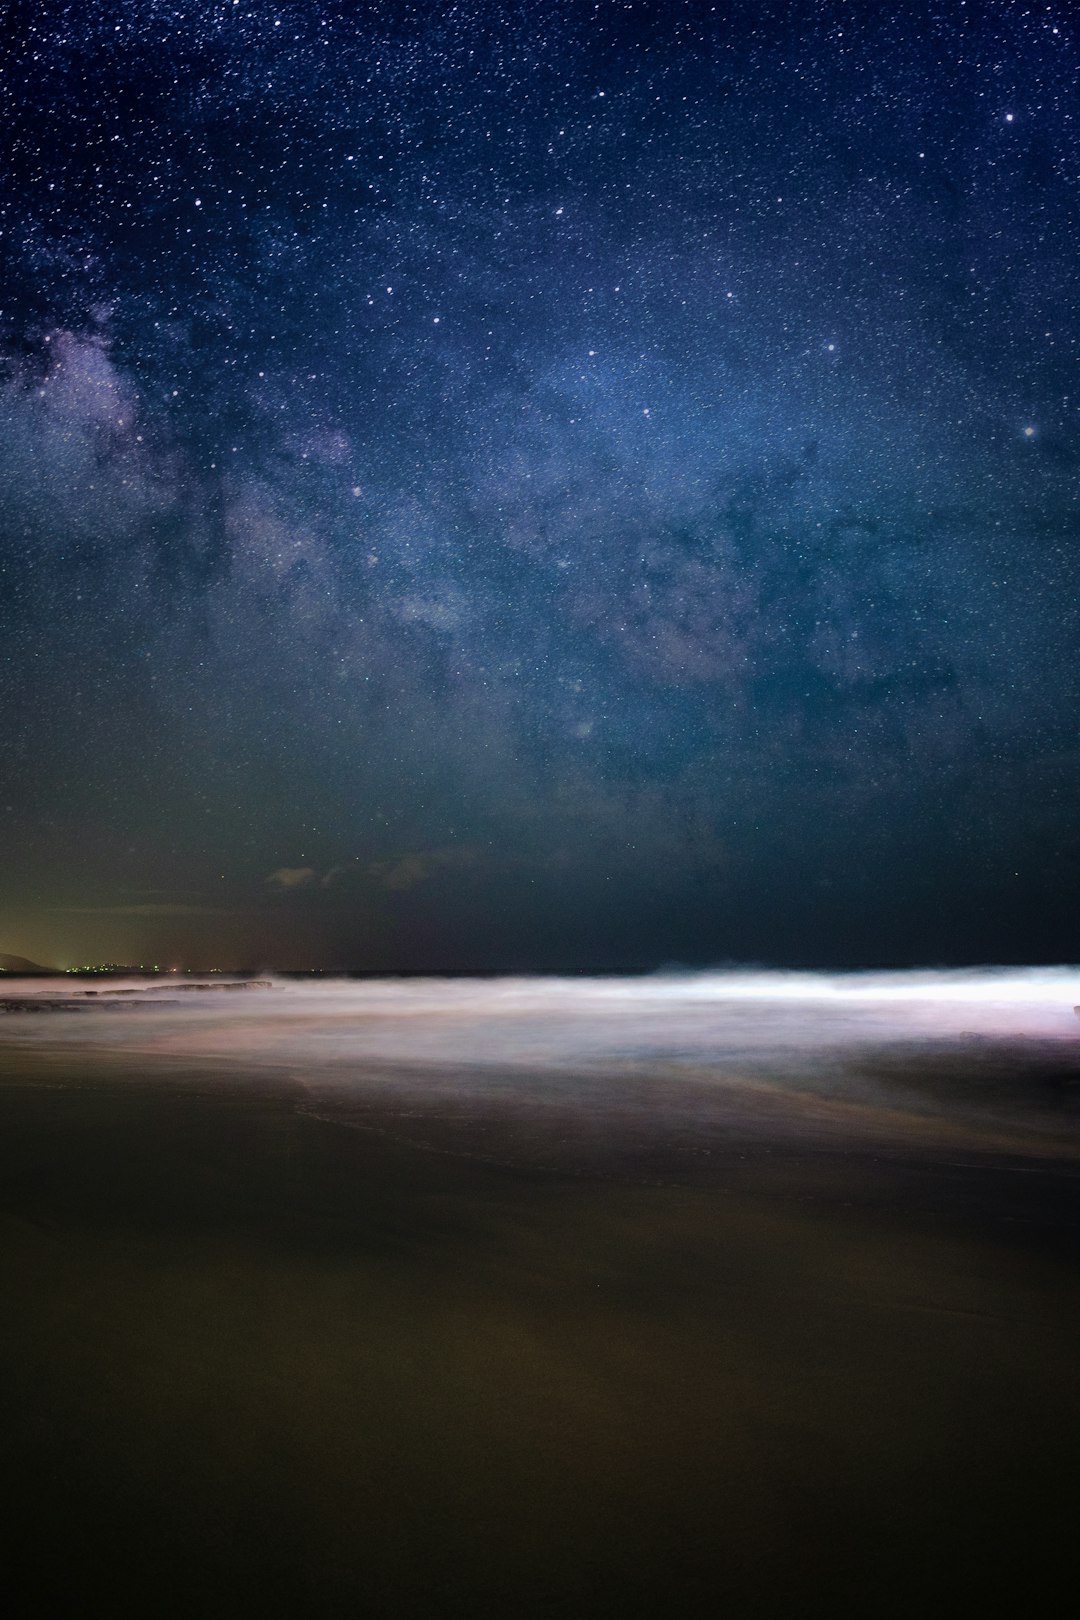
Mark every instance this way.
x=291 y=877
x=307 y=877
x=157 y=908
x=335 y=874
x=405 y=872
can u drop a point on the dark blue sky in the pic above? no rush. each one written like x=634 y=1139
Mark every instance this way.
x=540 y=485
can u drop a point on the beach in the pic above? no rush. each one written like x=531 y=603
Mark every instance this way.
x=414 y=1337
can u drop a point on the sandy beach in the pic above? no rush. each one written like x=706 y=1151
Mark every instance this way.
x=553 y=1334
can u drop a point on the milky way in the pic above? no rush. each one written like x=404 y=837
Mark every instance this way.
x=539 y=486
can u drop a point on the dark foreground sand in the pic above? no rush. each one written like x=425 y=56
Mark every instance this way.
x=614 y=1361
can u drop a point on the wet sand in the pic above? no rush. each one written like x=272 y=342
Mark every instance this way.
x=274 y=1345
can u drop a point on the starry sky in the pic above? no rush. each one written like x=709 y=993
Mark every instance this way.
x=540 y=485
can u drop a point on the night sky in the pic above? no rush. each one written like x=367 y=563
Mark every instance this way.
x=540 y=486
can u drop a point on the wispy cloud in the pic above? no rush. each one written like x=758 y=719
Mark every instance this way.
x=291 y=877
x=334 y=875
x=156 y=908
x=407 y=871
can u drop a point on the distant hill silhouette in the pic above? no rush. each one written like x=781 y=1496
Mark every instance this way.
x=21 y=964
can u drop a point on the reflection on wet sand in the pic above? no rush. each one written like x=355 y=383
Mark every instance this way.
x=434 y=1304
